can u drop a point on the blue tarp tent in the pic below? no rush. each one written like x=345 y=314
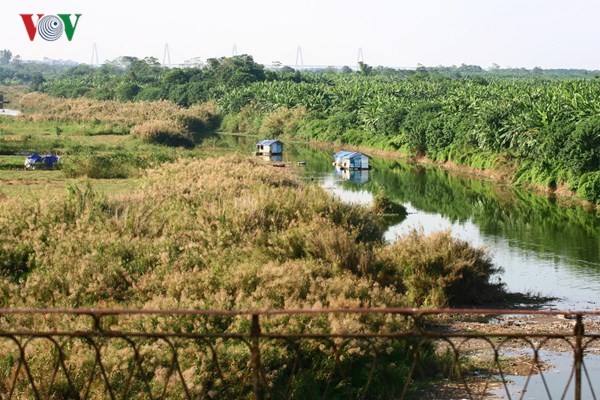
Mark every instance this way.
x=35 y=159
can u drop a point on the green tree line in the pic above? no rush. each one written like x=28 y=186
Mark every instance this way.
x=538 y=127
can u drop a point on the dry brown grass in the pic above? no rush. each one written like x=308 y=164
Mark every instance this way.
x=439 y=270
x=155 y=119
x=42 y=107
x=163 y=132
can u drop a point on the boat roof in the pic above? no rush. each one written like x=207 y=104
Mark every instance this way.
x=267 y=142
x=342 y=153
x=349 y=154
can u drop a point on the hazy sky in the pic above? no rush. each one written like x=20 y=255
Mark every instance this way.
x=517 y=33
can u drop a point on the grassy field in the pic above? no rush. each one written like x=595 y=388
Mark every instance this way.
x=94 y=142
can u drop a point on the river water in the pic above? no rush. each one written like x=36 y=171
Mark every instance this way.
x=9 y=113
x=543 y=247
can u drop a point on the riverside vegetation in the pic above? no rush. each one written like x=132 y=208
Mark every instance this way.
x=199 y=231
x=203 y=231
x=232 y=234
x=534 y=127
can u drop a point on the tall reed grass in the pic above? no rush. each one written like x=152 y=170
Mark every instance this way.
x=231 y=234
x=106 y=116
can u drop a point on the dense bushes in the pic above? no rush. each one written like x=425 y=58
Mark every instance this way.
x=283 y=121
x=169 y=133
x=199 y=118
x=550 y=130
x=159 y=122
x=116 y=165
x=588 y=187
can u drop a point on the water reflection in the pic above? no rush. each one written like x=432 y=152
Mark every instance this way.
x=355 y=176
x=334 y=184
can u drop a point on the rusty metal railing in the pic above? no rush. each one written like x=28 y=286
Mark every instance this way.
x=300 y=354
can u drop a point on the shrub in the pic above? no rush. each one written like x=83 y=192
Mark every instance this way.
x=149 y=93
x=589 y=186
x=229 y=123
x=199 y=118
x=383 y=205
x=41 y=107
x=127 y=91
x=228 y=233
x=419 y=124
x=582 y=149
x=438 y=270
x=284 y=121
x=249 y=120
x=99 y=166
x=165 y=132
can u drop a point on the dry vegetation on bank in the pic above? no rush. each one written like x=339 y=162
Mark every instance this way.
x=106 y=116
x=231 y=234
x=227 y=225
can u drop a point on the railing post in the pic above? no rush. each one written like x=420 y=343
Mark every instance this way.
x=579 y=331
x=255 y=360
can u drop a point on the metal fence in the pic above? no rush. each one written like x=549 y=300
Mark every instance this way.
x=301 y=354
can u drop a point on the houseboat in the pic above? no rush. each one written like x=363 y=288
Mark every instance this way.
x=351 y=160
x=269 y=147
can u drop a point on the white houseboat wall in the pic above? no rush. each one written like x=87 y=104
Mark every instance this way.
x=269 y=147
x=351 y=160
x=273 y=158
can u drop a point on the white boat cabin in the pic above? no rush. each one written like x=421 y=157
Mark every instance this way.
x=351 y=160
x=269 y=147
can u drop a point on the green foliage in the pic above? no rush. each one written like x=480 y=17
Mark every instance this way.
x=249 y=120
x=181 y=235
x=126 y=91
x=589 y=186
x=234 y=71
x=5 y=56
x=99 y=166
x=582 y=150
x=282 y=122
x=230 y=123
x=419 y=125
x=199 y=118
x=365 y=69
x=148 y=93
x=16 y=261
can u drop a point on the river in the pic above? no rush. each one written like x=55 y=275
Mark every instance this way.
x=544 y=248
x=9 y=113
